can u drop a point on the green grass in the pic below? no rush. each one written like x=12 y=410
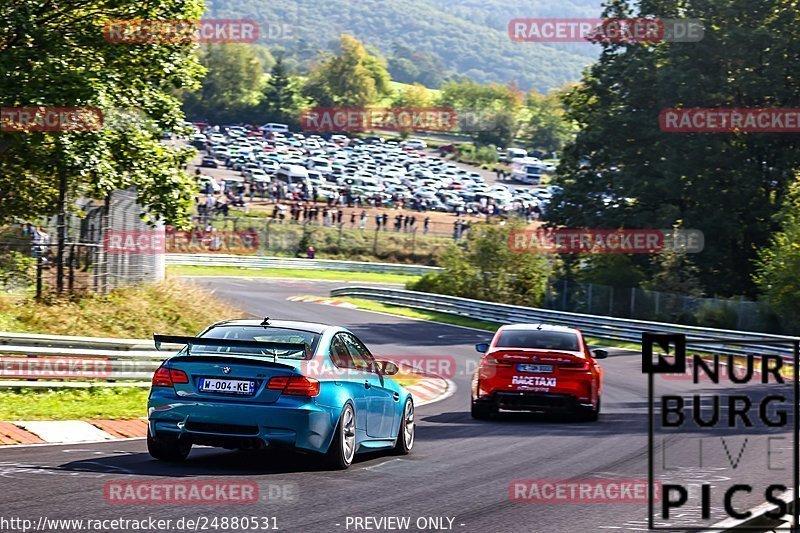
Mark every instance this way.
x=73 y=404
x=374 y=277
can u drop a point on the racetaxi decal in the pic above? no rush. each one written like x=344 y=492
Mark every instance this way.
x=536 y=381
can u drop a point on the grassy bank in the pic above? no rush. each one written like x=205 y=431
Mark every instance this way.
x=171 y=307
x=73 y=404
x=374 y=277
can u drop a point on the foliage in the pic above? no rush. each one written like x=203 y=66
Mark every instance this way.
x=485 y=268
x=232 y=85
x=430 y=42
x=60 y=58
x=281 y=99
x=354 y=78
x=778 y=264
x=17 y=270
x=623 y=171
x=547 y=126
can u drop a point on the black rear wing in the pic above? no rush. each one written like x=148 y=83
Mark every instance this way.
x=231 y=343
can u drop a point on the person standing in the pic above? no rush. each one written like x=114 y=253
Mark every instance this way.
x=425 y=225
x=363 y=221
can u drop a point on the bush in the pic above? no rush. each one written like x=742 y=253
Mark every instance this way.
x=17 y=270
x=483 y=267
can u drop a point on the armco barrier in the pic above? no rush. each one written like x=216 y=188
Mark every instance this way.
x=251 y=261
x=602 y=327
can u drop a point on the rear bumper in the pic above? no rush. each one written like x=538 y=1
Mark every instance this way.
x=291 y=423
x=532 y=401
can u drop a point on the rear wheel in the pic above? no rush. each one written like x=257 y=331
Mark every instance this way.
x=482 y=411
x=405 y=437
x=343 y=447
x=168 y=450
x=587 y=414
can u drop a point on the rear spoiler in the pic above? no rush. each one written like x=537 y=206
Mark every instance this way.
x=230 y=343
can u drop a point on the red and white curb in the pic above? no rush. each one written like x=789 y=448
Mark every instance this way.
x=322 y=301
x=429 y=390
x=70 y=431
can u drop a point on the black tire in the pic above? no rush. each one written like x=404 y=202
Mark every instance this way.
x=588 y=414
x=173 y=451
x=405 y=441
x=340 y=455
x=482 y=411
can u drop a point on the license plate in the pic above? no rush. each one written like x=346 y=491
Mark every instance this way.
x=538 y=369
x=231 y=386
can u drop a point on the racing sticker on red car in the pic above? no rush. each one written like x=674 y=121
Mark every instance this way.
x=535 y=381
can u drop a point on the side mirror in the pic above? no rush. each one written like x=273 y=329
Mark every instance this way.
x=599 y=354
x=387 y=368
x=482 y=347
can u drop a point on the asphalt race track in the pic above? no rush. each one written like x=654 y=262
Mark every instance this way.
x=459 y=470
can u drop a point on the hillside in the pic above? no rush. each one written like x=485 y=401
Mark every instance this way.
x=428 y=41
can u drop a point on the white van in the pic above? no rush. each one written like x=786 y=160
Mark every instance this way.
x=527 y=170
x=293 y=175
x=274 y=127
x=515 y=153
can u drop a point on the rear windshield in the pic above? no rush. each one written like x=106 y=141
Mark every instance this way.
x=546 y=340
x=261 y=334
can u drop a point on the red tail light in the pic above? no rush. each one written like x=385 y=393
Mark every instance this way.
x=295 y=385
x=491 y=361
x=161 y=377
x=178 y=376
x=166 y=377
x=575 y=367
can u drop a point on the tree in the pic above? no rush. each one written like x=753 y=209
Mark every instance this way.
x=491 y=113
x=414 y=95
x=354 y=78
x=232 y=87
x=485 y=268
x=281 y=100
x=60 y=57
x=778 y=264
x=547 y=127
x=623 y=171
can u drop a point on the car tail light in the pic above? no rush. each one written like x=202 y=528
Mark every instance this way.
x=161 y=378
x=491 y=361
x=295 y=385
x=167 y=377
x=178 y=376
x=575 y=367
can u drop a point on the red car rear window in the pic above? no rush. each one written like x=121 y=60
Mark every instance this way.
x=539 y=339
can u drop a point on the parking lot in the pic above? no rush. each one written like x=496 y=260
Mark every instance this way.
x=254 y=169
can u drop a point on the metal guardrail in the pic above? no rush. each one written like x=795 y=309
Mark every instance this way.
x=34 y=360
x=602 y=327
x=252 y=261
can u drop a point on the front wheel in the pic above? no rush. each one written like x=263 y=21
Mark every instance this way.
x=405 y=436
x=343 y=447
x=173 y=451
